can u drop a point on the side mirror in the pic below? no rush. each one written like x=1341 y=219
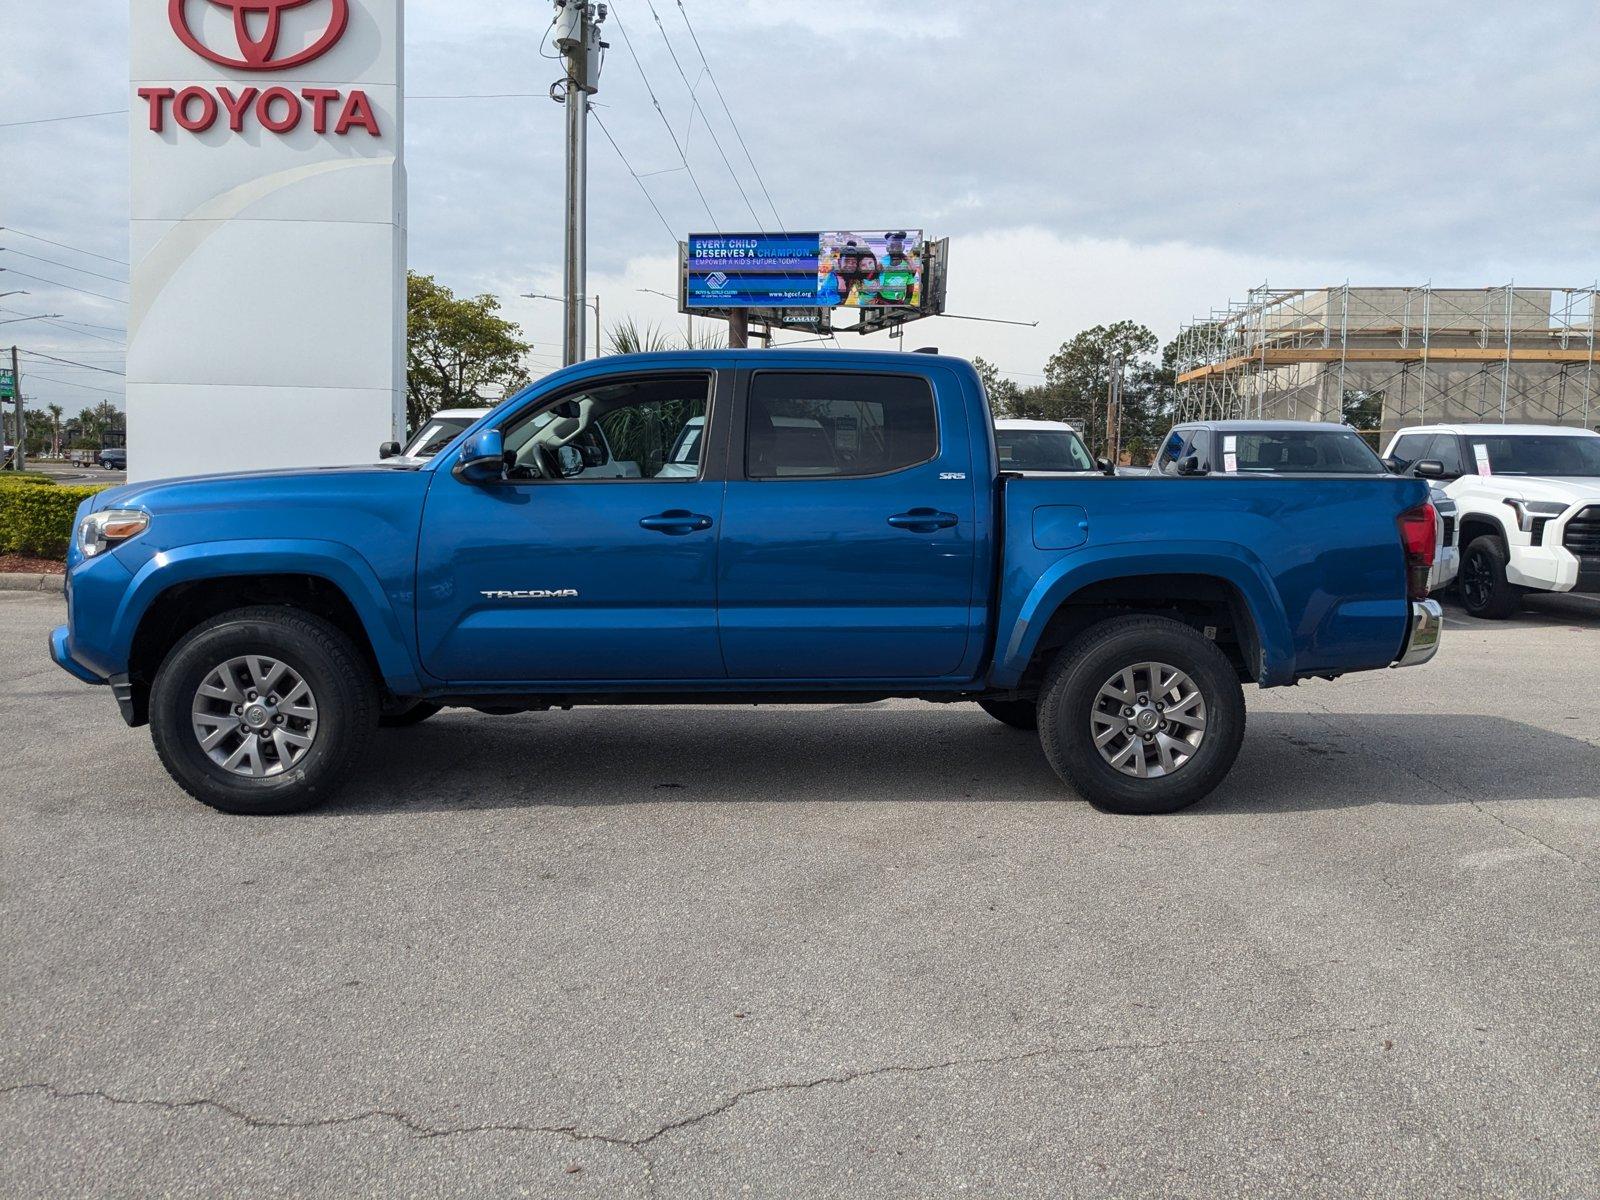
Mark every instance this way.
x=1393 y=465
x=1105 y=466
x=1190 y=466
x=1429 y=468
x=389 y=450
x=482 y=458
x=570 y=459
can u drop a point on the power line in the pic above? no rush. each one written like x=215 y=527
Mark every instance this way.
x=628 y=41
x=712 y=75
x=110 y=112
x=69 y=383
x=61 y=245
x=715 y=141
x=67 y=327
x=665 y=224
x=58 y=283
x=68 y=266
x=71 y=362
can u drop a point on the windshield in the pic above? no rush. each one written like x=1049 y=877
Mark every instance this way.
x=1042 y=450
x=1538 y=454
x=1299 y=452
x=436 y=435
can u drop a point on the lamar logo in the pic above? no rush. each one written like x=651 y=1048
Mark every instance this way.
x=258 y=50
x=258 y=28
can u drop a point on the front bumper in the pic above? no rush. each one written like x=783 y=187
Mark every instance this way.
x=1422 y=634
x=63 y=657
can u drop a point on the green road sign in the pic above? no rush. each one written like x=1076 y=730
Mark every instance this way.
x=8 y=385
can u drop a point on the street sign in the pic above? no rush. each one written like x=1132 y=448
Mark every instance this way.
x=8 y=384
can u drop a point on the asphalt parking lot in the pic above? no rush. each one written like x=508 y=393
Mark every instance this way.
x=820 y=952
x=78 y=473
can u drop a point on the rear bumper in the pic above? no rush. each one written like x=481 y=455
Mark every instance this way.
x=63 y=657
x=1422 y=634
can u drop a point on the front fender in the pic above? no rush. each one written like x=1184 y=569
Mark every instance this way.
x=339 y=564
x=1019 y=632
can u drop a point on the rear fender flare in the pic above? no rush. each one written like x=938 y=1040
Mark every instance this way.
x=1222 y=560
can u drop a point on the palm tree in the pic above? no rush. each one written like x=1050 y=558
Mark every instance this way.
x=55 y=411
x=629 y=337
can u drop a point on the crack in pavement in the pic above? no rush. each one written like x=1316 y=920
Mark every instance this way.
x=420 y=1129
x=1400 y=764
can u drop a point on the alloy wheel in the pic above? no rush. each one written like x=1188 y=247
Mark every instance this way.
x=254 y=716
x=1148 y=720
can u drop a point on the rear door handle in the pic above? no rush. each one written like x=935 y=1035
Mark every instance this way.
x=924 y=520
x=676 y=521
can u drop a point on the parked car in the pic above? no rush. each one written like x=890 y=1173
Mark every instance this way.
x=1529 y=506
x=6 y=451
x=437 y=432
x=264 y=624
x=1244 y=447
x=1447 y=551
x=1040 y=446
x=113 y=459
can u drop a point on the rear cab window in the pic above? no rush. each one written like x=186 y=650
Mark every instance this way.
x=1298 y=452
x=817 y=425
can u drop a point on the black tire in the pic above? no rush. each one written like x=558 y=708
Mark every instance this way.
x=1482 y=585
x=345 y=693
x=1019 y=714
x=1071 y=690
x=412 y=714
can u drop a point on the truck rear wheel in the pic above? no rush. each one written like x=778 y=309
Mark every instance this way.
x=1019 y=714
x=1482 y=584
x=1142 y=715
x=262 y=711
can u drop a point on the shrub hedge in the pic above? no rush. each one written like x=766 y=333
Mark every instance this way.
x=36 y=514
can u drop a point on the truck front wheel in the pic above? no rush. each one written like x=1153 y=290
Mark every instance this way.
x=1482 y=584
x=262 y=711
x=1142 y=715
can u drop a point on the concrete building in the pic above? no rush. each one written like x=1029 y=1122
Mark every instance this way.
x=1396 y=356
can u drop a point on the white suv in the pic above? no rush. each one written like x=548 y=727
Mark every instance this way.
x=1529 y=506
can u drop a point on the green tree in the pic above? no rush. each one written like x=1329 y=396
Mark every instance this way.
x=56 y=412
x=455 y=347
x=1003 y=394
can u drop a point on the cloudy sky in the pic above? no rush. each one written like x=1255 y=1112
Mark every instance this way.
x=1088 y=161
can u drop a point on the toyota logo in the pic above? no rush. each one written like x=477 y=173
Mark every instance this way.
x=257 y=50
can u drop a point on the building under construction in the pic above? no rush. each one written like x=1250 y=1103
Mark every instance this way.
x=1396 y=356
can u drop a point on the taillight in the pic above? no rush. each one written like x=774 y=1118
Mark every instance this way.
x=1418 y=533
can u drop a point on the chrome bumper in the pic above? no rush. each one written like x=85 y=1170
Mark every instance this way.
x=1422 y=637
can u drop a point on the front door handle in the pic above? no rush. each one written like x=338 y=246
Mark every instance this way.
x=675 y=521
x=924 y=520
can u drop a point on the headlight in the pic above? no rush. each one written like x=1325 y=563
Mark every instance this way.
x=111 y=527
x=1533 y=512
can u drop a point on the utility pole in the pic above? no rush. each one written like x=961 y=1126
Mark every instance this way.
x=739 y=329
x=1113 y=404
x=19 y=459
x=577 y=37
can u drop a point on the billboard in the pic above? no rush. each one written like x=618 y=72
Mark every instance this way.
x=829 y=269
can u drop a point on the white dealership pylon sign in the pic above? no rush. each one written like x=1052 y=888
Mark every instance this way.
x=268 y=234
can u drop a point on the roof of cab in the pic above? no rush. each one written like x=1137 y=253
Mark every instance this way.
x=1238 y=426
x=1501 y=430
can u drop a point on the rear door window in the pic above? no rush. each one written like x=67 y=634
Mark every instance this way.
x=815 y=425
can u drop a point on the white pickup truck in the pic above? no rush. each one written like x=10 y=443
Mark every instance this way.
x=1528 y=500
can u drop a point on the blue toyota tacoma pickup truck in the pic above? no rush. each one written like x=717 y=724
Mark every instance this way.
x=733 y=526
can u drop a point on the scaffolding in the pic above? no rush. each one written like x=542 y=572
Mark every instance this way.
x=1395 y=356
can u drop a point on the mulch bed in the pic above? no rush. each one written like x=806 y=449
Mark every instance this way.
x=24 y=564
